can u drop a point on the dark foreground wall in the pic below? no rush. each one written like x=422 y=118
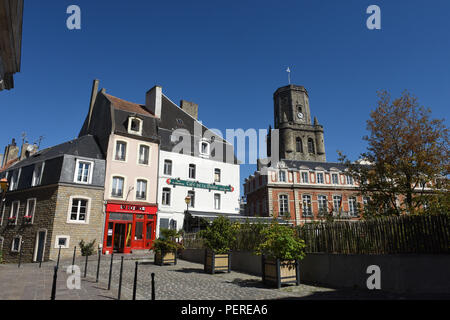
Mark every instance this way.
x=406 y=273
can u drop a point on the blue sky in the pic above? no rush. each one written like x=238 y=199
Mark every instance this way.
x=229 y=57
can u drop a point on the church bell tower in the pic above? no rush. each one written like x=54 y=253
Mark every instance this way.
x=300 y=139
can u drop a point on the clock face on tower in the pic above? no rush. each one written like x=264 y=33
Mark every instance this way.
x=300 y=115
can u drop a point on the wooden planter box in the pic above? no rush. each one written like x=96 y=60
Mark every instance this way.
x=217 y=262
x=278 y=272
x=162 y=258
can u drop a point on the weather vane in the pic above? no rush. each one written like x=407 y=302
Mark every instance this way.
x=289 y=74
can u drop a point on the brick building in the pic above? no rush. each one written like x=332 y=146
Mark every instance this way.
x=55 y=198
x=299 y=185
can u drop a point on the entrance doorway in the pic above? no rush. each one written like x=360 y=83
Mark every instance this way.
x=41 y=238
x=119 y=237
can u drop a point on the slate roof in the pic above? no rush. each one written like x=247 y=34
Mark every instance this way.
x=84 y=146
x=122 y=111
x=173 y=118
x=312 y=165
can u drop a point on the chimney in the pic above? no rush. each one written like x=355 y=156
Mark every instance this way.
x=27 y=150
x=92 y=102
x=190 y=108
x=11 y=152
x=153 y=100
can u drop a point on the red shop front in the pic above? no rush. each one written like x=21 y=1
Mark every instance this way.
x=129 y=226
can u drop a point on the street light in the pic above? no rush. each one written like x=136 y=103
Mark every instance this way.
x=187 y=200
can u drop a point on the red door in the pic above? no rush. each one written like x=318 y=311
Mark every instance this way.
x=138 y=241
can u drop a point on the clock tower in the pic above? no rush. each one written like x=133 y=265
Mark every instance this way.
x=300 y=139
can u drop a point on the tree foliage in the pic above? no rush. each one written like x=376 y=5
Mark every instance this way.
x=281 y=242
x=406 y=165
x=220 y=236
x=87 y=249
x=167 y=241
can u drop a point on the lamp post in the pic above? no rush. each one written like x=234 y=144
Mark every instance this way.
x=187 y=200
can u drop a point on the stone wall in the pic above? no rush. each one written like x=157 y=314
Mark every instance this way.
x=76 y=232
x=43 y=220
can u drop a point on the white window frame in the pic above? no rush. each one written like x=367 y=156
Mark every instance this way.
x=189 y=171
x=37 y=244
x=321 y=205
x=164 y=167
x=139 y=154
x=146 y=189
x=27 y=207
x=307 y=176
x=112 y=186
x=317 y=177
x=349 y=180
x=309 y=212
x=280 y=203
x=139 y=132
x=33 y=178
x=217 y=204
x=191 y=194
x=20 y=243
x=354 y=202
x=208 y=146
x=337 y=178
x=3 y=212
x=77 y=168
x=163 y=197
x=280 y=174
x=14 y=184
x=57 y=241
x=336 y=209
x=115 y=150
x=88 y=210
x=11 y=211
x=219 y=172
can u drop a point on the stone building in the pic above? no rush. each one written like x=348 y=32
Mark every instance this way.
x=300 y=186
x=55 y=199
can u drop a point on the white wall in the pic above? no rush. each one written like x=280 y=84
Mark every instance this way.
x=204 y=199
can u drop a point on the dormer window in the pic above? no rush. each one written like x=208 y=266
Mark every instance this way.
x=134 y=125
x=204 y=148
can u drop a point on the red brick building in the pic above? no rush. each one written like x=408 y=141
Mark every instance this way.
x=299 y=184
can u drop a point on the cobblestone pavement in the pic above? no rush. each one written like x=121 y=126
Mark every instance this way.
x=185 y=281
x=29 y=282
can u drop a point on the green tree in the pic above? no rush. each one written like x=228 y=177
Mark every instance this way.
x=220 y=236
x=406 y=148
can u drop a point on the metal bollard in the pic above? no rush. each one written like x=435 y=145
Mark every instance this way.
x=85 y=265
x=153 y=286
x=110 y=271
x=120 y=278
x=55 y=276
x=135 y=280
x=73 y=258
x=98 y=264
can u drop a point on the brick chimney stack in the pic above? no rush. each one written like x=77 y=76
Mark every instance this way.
x=190 y=108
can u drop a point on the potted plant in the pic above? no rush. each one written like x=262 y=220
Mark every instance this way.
x=218 y=238
x=165 y=247
x=281 y=251
x=27 y=219
x=12 y=220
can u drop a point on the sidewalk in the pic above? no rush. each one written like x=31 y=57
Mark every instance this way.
x=29 y=282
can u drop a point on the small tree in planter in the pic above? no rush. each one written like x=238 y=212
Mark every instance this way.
x=165 y=247
x=281 y=251
x=219 y=238
x=87 y=249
